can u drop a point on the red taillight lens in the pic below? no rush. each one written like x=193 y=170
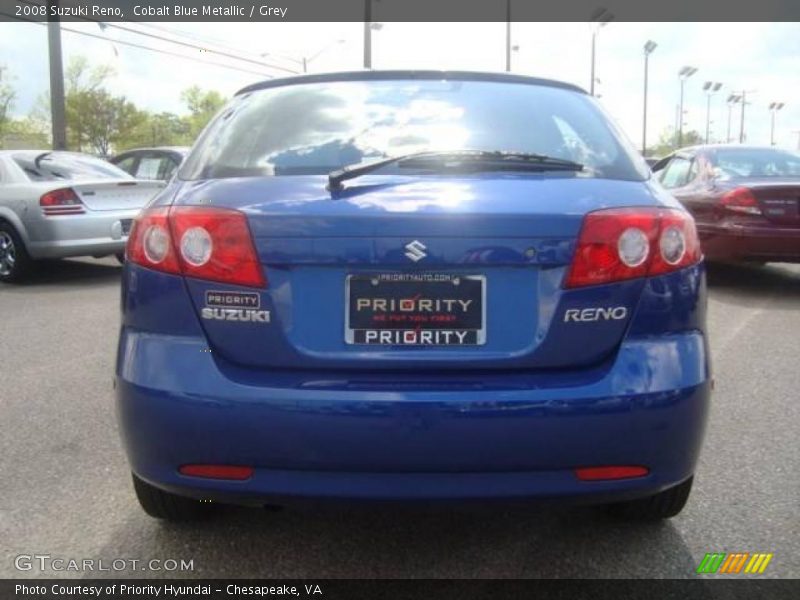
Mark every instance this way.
x=215 y=244
x=624 y=243
x=150 y=242
x=202 y=242
x=235 y=472
x=741 y=200
x=61 y=202
x=610 y=473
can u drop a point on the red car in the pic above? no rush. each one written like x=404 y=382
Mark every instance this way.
x=745 y=199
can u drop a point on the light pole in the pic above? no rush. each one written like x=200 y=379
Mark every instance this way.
x=600 y=18
x=732 y=99
x=683 y=75
x=710 y=88
x=57 y=104
x=773 y=108
x=304 y=60
x=508 y=35
x=649 y=46
x=743 y=97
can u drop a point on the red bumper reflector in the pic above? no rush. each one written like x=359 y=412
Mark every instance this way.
x=608 y=473
x=237 y=473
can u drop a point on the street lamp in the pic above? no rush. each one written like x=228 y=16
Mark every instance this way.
x=649 y=46
x=710 y=88
x=600 y=18
x=369 y=27
x=773 y=108
x=683 y=75
x=732 y=99
x=304 y=60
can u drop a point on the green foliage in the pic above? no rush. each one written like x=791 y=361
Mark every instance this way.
x=668 y=142
x=103 y=123
x=7 y=96
x=202 y=105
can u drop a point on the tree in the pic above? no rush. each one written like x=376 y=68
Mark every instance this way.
x=202 y=105
x=109 y=119
x=668 y=142
x=7 y=96
x=82 y=84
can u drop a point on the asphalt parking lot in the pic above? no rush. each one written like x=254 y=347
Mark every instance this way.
x=66 y=488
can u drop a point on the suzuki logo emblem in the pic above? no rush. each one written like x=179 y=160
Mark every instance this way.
x=416 y=250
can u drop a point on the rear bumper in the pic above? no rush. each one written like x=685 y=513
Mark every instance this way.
x=770 y=244
x=487 y=436
x=92 y=234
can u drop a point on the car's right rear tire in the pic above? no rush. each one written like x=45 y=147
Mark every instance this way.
x=15 y=263
x=165 y=505
x=659 y=506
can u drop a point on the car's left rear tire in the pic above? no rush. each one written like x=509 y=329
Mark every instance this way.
x=167 y=506
x=659 y=506
x=15 y=263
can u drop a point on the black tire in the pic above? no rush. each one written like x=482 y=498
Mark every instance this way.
x=15 y=262
x=120 y=256
x=663 y=505
x=164 y=505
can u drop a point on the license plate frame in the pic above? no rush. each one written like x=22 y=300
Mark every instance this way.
x=476 y=336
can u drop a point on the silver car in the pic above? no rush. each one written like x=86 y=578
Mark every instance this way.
x=64 y=204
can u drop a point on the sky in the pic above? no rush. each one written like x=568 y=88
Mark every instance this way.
x=762 y=58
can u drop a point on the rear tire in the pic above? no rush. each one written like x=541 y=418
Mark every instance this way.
x=15 y=262
x=165 y=505
x=663 y=505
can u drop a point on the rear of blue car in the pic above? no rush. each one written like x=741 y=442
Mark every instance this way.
x=513 y=310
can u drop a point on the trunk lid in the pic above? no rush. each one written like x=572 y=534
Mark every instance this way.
x=125 y=194
x=512 y=238
x=779 y=200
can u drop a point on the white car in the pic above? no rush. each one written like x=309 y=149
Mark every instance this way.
x=64 y=204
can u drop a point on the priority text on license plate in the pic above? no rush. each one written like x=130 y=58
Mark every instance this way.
x=417 y=309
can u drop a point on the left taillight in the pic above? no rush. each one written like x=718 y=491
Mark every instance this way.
x=202 y=242
x=625 y=243
x=61 y=202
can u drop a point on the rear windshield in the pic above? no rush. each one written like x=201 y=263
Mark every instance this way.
x=314 y=128
x=735 y=163
x=58 y=166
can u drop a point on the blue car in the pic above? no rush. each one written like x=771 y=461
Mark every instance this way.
x=413 y=285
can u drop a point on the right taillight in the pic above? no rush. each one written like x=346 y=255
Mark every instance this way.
x=625 y=243
x=202 y=242
x=741 y=200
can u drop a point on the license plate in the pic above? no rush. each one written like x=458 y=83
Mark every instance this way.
x=415 y=309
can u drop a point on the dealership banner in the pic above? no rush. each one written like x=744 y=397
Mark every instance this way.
x=395 y=10
x=417 y=589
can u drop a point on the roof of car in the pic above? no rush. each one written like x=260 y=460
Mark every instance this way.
x=697 y=147
x=179 y=149
x=409 y=74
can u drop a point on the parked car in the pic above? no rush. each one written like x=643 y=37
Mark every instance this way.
x=413 y=285
x=151 y=163
x=63 y=204
x=745 y=199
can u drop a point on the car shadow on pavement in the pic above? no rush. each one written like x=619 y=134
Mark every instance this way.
x=69 y=272
x=363 y=541
x=750 y=281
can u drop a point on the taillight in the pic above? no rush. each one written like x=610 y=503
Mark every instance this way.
x=202 y=242
x=741 y=200
x=624 y=243
x=61 y=202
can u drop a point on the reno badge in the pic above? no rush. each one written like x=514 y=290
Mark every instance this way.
x=242 y=307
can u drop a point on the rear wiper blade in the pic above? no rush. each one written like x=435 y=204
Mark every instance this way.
x=495 y=158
